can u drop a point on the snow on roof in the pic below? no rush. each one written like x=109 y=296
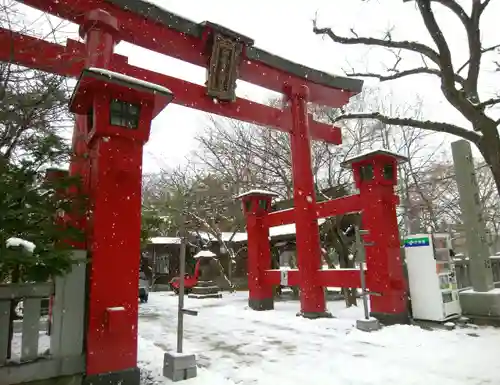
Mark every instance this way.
x=256 y=192
x=226 y=236
x=165 y=241
x=204 y=254
x=242 y=237
x=288 y=229
x=365 y=154
x=18 y=242
x=129 y=79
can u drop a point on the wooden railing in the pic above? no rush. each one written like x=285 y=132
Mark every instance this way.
x=463 y=274
x=61 y=353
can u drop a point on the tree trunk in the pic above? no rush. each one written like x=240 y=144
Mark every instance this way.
x=490 y=149
x=222 y=274
x=348 y=292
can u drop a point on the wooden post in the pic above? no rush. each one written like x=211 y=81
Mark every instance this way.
x=68 y=310
x=4 y=330
x=31 y=328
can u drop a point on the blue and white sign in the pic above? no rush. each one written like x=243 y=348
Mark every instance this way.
x=416 y=242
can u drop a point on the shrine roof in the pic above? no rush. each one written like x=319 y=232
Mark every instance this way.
x=204 y=254
x=371 y=153
x=129 y=80
x=189 y=27
x=256 y=193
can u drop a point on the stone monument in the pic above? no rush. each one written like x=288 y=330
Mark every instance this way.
x=206 y=286
x=482 y=300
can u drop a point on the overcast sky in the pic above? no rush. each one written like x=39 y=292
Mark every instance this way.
x=284 y=27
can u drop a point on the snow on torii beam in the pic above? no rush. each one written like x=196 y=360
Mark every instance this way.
x=69 y=61
x=156 y=29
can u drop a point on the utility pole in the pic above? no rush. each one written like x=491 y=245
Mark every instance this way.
x=181 y=366
x=182 y=273
x=367 y=324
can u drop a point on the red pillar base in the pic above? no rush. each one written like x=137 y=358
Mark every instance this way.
x=392 y=318
x=123 y=377
x=315 y=315
x=261 y=304
x=398 y=306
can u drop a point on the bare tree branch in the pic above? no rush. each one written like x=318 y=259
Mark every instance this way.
x=404 y=73
x=474 y=40
x=484 y=5
x=483 y=50
x=462 y=92
x=445 y=61
x=462 y=101
x=489 y=103
x=371 y=41
x=426 y=125
x=453 y=6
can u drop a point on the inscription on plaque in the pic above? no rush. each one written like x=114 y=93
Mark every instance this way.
x=223 y=68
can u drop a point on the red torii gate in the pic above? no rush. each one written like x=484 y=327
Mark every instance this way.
x=109 y=151
x=375 y=176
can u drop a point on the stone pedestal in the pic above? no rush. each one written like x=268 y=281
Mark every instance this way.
x=261 y=304
x=368 y=325
x=482 y=304
x=205 y=289
x=179 y=366
x=315 y=315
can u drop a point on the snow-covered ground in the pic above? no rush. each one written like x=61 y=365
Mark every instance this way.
x=235 y=345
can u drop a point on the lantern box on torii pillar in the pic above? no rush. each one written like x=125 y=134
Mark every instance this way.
x=119 y=111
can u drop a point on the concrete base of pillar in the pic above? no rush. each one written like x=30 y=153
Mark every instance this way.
x=391 y=318
x=368 y=325
x=482 y=304
x=179 y=366
x=205 y=289
x=315 y=315
x=205 y=296
x=124 y=377
x=261 y=304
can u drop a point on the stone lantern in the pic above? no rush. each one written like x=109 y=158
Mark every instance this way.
x=206 y=287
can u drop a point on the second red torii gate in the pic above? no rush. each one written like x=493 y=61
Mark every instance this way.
x=113 y=180
x=375 y=175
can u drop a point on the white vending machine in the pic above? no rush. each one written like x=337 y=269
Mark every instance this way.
x=431 y=276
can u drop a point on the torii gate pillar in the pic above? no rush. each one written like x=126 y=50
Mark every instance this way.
x=114 y=119
x=312 y=296
x=375 y=175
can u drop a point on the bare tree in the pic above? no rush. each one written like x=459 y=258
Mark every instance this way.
x=202 y=200
x=33 y=105
x=459 y=81
x=437 y=200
